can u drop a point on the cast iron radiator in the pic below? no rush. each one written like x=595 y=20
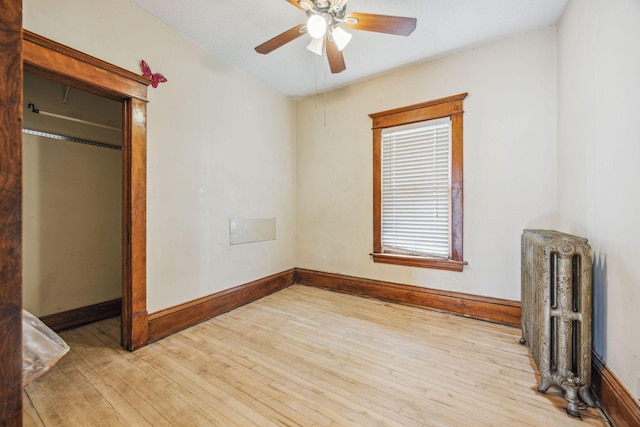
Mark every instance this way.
x=556 y=312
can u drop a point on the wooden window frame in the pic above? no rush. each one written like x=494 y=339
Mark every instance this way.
x=451 y=107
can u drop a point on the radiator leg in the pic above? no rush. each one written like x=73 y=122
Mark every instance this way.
x=572 y=401
x=544 y=385
x=586 y=397
x=571 y=388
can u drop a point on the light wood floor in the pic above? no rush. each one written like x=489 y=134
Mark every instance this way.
x=302 y=357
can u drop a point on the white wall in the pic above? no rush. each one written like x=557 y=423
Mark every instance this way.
x=598 y=165
x=72 y=201
x=72 y=246
x=509 y=163
x=220 y=145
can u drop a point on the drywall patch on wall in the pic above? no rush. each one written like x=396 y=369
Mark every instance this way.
x=249 y=230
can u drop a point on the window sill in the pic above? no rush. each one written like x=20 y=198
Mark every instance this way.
x=416 y=261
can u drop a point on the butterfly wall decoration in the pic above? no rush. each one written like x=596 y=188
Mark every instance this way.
x=156 y=78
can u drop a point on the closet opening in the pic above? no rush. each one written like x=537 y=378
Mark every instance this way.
x=72 y=204
x=71 y=68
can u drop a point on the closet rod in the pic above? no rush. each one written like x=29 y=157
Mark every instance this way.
x=33 y=109
x=70 y=139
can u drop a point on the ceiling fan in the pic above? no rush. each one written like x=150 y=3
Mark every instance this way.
x=325 y=19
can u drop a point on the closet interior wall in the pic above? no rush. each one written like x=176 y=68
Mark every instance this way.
x=72 y=208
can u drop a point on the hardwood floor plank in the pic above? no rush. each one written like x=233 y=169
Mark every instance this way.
x=250 y=385
x=303 y=357
x=350 y=380
x=296 y=371
x=200 y=387
x=117 y=367
x=30 y=417
x=281 y=371
x=114 y=392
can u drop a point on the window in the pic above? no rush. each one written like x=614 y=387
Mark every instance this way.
x=417 y=184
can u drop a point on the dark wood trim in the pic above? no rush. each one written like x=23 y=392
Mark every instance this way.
x=377 y=193
x=11 y=213
x=617 y=403
x=174 y=319
x=417 y=261
x=135 y=323
x=66 y=65
x=457 y=168
x=83 y=315
x=182 y=316
x=71 y=67
x=444 y=107
x=496 y=310
x=435 y=109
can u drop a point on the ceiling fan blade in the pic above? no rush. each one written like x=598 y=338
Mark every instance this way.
x=296 y=4
x=388 y=24
x=336 y=60
x=281 y=39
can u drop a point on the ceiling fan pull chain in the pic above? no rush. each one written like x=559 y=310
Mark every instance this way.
x=324 y=106
x=315 y=73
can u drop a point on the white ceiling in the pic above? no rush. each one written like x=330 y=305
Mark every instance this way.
x=230 y=29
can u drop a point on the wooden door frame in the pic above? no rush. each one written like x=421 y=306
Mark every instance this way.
x=11 y=213
x=62 y=64
x=21 y=50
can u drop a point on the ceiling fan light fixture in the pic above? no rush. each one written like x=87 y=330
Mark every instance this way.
x=339 y=4
x=317 y=26
x=316 y=46
x=326 y=23
x=304 y=5
x=350 y=20
x=341 y=37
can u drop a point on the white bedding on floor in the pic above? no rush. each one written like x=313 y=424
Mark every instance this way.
x=41 y=348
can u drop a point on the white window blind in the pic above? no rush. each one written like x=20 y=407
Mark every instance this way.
x=416 y=177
